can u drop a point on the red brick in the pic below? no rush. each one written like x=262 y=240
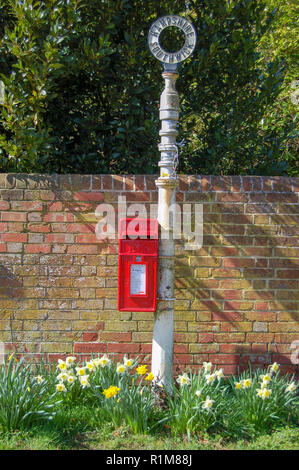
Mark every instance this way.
x=89 y=336
x=4 y=205
x=224 y=358
x=13 y=216
x=179 y=348
x=2 y=247
x=14 y=237
x=89 y=196
x=115 y=336
x=26 y=206
x=90 y=347
x=205 y=337
x=183 y=359
x=146 y=348
x=238 y=262
x=123 y=347
x=38 y=248
x=58 y=217
x=40 y=228
x=227 y=316
x=87 y=238
x=82 y=249
x=55 y=206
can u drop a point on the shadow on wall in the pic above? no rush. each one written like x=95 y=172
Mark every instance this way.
x=246 y=284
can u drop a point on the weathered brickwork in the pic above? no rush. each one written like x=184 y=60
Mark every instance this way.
x=236 y=298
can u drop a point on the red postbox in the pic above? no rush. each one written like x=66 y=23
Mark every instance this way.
x=137 y=267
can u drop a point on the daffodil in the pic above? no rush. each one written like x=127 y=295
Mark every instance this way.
x=219 y=374
x=183 y=379
x=104 y=361
x=81 y=371
x=90 y=366
x=264 y=393
x=61 y=364
x=238 y=385
x=62 y=376
x=264 y=384
x=274 y=367
x=246 y=383
x=28 y=388
x=71 y=379
x=198 y=393
x=207 y=366
x=112 y=391
x=96 y=362
x=84 y=381
x=210 y=378
x=11 y=356
x=208 y=403
x=39 y=379
x=265 y=378
x=121 y=368
x=70 y=361
x=291 y=387
x=150 y=377
x=60 y=387
x=128 y=362
x=141 y=370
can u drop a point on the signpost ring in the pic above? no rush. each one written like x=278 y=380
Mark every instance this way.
x=154 y=34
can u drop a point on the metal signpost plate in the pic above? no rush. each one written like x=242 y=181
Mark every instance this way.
x=154 y=35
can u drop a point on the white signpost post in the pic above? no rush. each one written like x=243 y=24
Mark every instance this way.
x=162 y=347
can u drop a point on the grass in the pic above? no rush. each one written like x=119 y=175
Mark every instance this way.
x=77 y=429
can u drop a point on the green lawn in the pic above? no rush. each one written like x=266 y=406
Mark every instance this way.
x=78 y=429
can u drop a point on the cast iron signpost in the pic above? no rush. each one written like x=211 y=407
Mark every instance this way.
x=162 y=348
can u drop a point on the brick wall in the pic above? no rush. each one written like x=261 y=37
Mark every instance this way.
x=236 y=298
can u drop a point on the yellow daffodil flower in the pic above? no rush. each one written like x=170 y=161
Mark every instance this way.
x=219 y=374
x=208 y=403
x=39 y=379
x=274 y=367
x=183 y=379
x=264 y=393
x=141 y=370
x=104 y=361
x=70 y=360
x=210 y=378
x=61 y=365
x=238 y=385
x=207 y=366
x=128 y=362
x=291 y=387
x=90 y=366
x=121 y=368
x=28 y=388
x=265 y=378
x=84 y=381
x=198 y=393
x=96 y=362
x=150 y=377
x=63 y=376
x=71 y=379
x=60 y=387
x=112 y=391
x=81 y=371
x=246 y=383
